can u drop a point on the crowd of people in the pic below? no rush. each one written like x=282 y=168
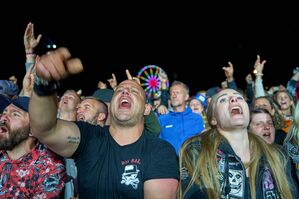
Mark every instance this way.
x=119 y=142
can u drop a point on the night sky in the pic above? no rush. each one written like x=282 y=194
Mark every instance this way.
x=179 y=41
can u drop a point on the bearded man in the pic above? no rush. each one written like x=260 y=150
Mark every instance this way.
x=28 y=169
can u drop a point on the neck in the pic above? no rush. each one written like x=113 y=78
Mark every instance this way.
x=22 y=148
x=68 y=116
x=286 y=112
x=239 y=141
x=179 y=108
x=126 y=135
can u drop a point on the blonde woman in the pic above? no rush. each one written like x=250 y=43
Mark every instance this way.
x=291 y=142
x=228 y=162
x=287 y=107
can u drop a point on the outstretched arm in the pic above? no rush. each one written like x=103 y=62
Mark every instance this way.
x=113 y=81
x=259 y=67
x=60 y=136
x=30 y=43
x=229 y=73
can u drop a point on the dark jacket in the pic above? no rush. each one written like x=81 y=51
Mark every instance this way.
x=232 y=176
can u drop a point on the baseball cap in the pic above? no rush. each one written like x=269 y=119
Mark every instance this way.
x=22 y=102
x=201 y=98
x=4 y=102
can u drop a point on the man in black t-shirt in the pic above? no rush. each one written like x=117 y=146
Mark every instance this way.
x=119 y=161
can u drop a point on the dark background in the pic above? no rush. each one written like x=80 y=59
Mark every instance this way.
x=191 y=43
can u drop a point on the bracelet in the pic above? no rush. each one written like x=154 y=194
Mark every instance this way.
x=45 y=88
x=30 y=56
x=33 y=54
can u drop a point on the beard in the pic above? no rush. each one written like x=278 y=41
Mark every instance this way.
x=16 y=136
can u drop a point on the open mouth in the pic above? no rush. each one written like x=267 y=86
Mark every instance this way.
x=124 y=103
x=3 y=129
x=236 y=110
x=267 y=135
x=80 y=118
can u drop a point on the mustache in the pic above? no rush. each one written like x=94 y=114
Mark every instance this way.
x=2 y=123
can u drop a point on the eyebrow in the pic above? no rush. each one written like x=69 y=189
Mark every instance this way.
x=221 y=95
x=87 y=105
x=14 y=110
x=18 y=111
x=130 y=87
x=235 y=93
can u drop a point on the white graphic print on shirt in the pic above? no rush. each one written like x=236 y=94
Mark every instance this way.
x=129 y=177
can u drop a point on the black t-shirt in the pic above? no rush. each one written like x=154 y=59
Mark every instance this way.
x=108 y=170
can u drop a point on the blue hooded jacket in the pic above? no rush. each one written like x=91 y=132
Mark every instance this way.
x=178 y=126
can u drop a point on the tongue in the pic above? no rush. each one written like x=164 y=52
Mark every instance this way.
x=3 y=130
x=125 y=105
x=235 y=111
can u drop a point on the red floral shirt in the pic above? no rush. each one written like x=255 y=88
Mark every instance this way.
x=38 y=174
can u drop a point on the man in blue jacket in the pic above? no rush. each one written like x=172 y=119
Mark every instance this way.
x=180 y=123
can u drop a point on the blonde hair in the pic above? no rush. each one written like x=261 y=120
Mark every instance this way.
x=201 y=163
x=293 y=134
x=292 y=107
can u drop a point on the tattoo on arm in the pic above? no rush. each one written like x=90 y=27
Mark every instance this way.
x=73 y=140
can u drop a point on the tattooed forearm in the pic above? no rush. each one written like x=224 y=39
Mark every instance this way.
x=73 y=140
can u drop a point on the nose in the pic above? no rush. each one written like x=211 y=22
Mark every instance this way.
x=79 y=110
x=3 y=118
x=266 y=126
x=125 y=91
x=233 y=99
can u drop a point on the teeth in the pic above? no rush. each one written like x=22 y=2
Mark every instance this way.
x=124 y=100
x=238 y=108
x=80 y=118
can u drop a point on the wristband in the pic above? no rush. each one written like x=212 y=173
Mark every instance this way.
x=45 y=88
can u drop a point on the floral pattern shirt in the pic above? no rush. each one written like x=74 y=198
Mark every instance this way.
x=38 y=174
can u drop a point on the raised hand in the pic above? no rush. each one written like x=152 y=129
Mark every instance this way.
x=229 y=71
x=129 y=76
x=259 y=65
x=163 y=78
x=57 y=65
x=112 y=81
x=30 y=42
x=79 y=92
